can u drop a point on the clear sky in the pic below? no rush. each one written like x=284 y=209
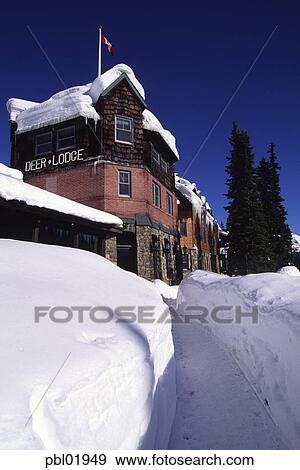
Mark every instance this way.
x=190 y=57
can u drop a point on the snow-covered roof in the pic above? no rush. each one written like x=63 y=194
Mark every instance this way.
x=151 y=123
x=13 y=188
x=296 y=243
x=79 y=101
x=193 y=195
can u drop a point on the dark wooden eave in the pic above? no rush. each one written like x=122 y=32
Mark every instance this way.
x=160 y=144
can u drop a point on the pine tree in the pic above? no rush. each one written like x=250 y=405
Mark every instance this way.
x=248 y=240
x=279 y=234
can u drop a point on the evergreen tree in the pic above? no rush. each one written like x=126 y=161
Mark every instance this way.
x=248 y=240
x=279 y=234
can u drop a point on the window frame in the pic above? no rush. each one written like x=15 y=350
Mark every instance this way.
x=183 y=221
x=156 y=153
x=57 y=138
x=164 y=164
x=129 y=184
x=38 y=154
x=131 y=129
x=154 y=186
x=169 y=197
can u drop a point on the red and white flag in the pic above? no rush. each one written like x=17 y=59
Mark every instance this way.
x=105 y=41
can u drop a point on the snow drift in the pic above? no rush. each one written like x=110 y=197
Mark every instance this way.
x=268 y=352
x=115 y=383
x=289 y=271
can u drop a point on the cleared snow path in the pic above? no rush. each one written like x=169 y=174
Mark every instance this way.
x=216 y=406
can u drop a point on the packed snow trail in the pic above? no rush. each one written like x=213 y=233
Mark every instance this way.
x=216 y=406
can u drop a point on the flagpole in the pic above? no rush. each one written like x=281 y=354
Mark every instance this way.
x=99 y=52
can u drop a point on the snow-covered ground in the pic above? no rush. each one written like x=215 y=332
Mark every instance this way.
x=167 y=292
x=80 y=384
x=239 y=379
x=216 y=406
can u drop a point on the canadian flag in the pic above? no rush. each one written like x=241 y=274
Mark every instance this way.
x=105 y=41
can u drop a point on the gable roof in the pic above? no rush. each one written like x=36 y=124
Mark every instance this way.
x=80 y=101
x=121 y=78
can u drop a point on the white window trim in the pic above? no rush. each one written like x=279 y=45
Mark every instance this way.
x=130 y=184
x=124 y=141
x=36 y=144
x=169 y=197
x=57 y=139
x=153 y=194
x=162 y=163
x=155 y=152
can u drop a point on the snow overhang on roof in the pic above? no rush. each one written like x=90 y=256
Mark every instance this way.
x=193 y=195
x=13 y=188
x=80 y=101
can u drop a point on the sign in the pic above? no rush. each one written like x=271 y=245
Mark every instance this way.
x=54 y=161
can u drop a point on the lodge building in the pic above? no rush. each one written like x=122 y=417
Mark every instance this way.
x=199 y=230
x=98 y=145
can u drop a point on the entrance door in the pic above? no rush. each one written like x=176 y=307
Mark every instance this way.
x=126 y=251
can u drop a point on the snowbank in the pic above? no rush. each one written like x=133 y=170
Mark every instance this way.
x=116 y=388
x=268 y=352
x=289 y=271
x=12 y=187
x=166 y=291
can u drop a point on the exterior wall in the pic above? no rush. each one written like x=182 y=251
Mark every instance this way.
x=87 y=138
x=96 y=185
x=122 y=102
x=201 y=241
x=110 y=249
x=145 y=266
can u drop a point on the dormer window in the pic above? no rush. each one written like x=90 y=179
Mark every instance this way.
x=156 y=156
x=164 y=165
x=123 y=130
x=43 y=143
x=66 y=138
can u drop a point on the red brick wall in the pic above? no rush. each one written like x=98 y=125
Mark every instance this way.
x=97 y=186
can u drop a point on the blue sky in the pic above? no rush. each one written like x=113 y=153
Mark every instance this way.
x=190 y=58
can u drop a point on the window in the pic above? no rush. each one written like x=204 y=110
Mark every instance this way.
x=123 y=130
x=43 y=143
x=167 y=252
x=156 y=194
x=156 y=155
x=185 y=261
x=66 y=138
x=164 y=165
x=169 y=204
x=183 y=228
x=125 y=183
